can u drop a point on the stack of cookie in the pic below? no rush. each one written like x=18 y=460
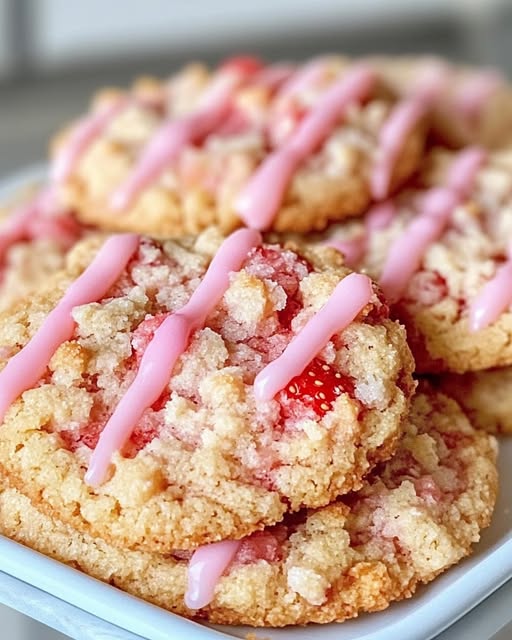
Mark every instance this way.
x=212 y=405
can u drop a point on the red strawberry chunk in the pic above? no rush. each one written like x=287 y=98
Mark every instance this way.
x=144 y=333
x=245 y=65
x=317 y=387
x=262 y=545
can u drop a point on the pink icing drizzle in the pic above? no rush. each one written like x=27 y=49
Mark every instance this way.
x=494 y=298
x=39 y=218
x=24 y=369
x=354 y=249
x=206 y=567
x=262 y=197
x=166 y=144
x=402 y=120
x=275 y=76
x=168 y=343
x=471 y=96
x=349 y=297
x=407 y=251
x=83 y=134
x=307 y=76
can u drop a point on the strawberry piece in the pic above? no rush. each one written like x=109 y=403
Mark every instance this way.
x=262 y=545
x=141 y=437
x=244 y=65
x=144 y=333
x=318 y=386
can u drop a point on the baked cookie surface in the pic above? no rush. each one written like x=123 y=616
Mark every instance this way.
x=209 y=147
x=415 y=516
x=441 y=253
x=486 y=396
x=207 y=458
x=473 y=105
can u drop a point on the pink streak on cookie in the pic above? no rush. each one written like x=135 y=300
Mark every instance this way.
x=354 y=249
x=206 y=567
x=82 y=135
x=472 y=94
x=494 y=299
x=303 y=79
x=169 y=342
x=14 y=227
x=274 y=76
x=25 y=368
x=41 y=217
x=401 y=122
x=349 y=297
x=261 y=198
x=407 y=251
x=174 y=135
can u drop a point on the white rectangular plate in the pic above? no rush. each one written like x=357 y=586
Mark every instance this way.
x=431 y=610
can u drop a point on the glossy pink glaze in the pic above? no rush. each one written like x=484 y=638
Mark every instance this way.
x=493 y=300
x=354 y=249
x=14 y=227
x=400 y=124
x=274 y=77
x=303 y=79
x=82 y=135
x=169 y=342
x=206 y=567
x=261 y=198
x=407 y=251
x=40 y=218
x=25 y=368
x=472 y=94
x=167 y=143
x=349 y=297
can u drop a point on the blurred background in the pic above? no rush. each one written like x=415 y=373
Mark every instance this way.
x=55 y=53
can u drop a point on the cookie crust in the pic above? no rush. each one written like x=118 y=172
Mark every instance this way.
x=201 y=187
x=415 y=516
x=208 y=462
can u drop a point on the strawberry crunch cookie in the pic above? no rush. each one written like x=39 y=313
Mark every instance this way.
x=441 y=253
x=472 y=105
x=486 y=396
x=34 y=239
x=164 y=399
x=415 y=516
x=280 y=147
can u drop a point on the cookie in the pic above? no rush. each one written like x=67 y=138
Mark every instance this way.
x=486 y=396
x=415 y=516
x=35 y=237
x=280 y=147
x=473 y=105
x=440 y=252
x=168 y=400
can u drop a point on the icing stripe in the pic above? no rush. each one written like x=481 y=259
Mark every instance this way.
x=14 y=228
x=25 y=368
x=407 y=251
x=493 y=300
x=261 y=198
x=206 y=566
x=174 y=135
x=83 y=134
x=472 y=94
x=401 y=122
x=354 y=249
x=306 y=77
x=168 y=343
x=349 y=297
